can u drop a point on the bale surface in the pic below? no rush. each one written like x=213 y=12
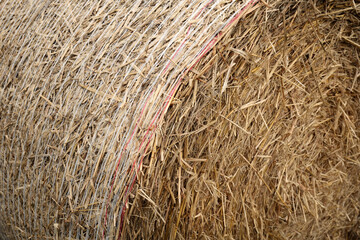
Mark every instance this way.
x=260 y=140
x=84 y=85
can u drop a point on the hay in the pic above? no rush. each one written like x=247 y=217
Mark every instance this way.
x=261 y=139
x=83 y=87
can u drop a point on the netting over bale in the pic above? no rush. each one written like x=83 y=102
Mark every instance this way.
x=175 y=120
x=262 y=142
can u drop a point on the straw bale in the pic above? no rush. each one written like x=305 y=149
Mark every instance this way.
x=262 y=142
x=107 y=130
x=84 y=85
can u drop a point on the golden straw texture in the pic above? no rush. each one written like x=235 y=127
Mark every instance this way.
x=180 y=119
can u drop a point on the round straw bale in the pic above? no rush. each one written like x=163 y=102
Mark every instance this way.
x=262 y=141
x=194 y=119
